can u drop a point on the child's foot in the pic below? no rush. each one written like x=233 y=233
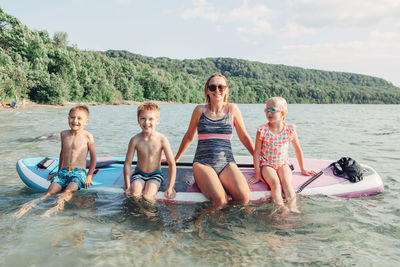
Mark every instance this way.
x=293 y=205
x=51 y=211
x=62 y=198
x=25 y=208
x=295 y=210
x=283 y=209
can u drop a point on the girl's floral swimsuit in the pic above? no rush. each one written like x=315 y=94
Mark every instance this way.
x=275 y=148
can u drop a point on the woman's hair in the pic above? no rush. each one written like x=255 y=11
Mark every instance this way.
x=278 y=102
x=208 y=82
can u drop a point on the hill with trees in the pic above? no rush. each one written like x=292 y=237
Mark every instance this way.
x=47 y=70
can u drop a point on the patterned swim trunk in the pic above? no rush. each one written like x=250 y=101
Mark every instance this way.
x=67 y=175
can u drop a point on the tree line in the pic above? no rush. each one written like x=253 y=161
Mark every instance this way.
x=47 y=70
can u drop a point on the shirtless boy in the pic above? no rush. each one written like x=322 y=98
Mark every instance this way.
x=149 y=145
x=76 y=143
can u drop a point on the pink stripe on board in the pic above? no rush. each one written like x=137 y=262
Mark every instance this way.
x=118 y=178
x=104 y=159
x=215 y=136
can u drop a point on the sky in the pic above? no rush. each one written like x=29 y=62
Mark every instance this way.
x=358 y=36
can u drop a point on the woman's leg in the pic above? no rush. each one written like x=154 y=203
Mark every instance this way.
x=210 y=185
x=285 y=176
x=235 y=183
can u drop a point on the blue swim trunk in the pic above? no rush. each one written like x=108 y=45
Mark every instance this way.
x=155 y=176
x=67 y=175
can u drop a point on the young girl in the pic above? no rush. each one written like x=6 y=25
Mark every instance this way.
x=271 y=155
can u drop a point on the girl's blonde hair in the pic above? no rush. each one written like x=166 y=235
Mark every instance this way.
x=278 y=102
x=208 y=82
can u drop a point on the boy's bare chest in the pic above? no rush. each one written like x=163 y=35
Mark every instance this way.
x=75 y=142
x=148 y=147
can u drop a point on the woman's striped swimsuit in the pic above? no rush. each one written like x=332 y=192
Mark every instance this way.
x=214 y=142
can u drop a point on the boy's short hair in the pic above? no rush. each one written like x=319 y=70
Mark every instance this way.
x=148 y=106
x=80 y=107
x=278 y=102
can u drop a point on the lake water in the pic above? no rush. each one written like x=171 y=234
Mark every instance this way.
x=105 y=229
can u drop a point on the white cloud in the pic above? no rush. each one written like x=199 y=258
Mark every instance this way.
x=343 y=51
x=201 y=10
x=258 y=28
x=344 y=13
x=248 y=13
x=252 y=19
x=384 y=35
x=123 y=2
x=293 y=30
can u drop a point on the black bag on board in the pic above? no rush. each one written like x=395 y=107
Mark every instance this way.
x=350 y=167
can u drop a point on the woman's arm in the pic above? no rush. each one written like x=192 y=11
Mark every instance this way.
x=190 y=133
x=241 y=129
x=256 y=160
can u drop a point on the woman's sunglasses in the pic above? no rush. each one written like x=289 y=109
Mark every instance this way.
x=272 y=110
x=213 y=87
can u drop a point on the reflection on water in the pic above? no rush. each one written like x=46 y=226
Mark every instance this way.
x=44 y=137
x=98 y=228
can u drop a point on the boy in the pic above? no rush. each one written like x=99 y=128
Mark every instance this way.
x=76 y=143
x=149 y=145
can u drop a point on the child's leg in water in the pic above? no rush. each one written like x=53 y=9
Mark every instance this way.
x=271 y=177
x=54 y=188
x=26 y=207
x=150 y=190
x=137 y=188
x=285 y=176
x=62 y=198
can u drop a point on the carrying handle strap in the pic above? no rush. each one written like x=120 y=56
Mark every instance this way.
x=312 y=179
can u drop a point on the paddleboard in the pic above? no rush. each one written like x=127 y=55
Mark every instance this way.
x=108 y=176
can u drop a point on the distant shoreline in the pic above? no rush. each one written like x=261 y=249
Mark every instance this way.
x=30 y=104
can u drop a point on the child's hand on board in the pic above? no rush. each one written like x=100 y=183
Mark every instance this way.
x=170 y=193
x=51 y=176
x=88 y=182
x=308 y=172
x=256 y=179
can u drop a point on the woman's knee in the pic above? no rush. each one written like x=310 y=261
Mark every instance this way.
x=219 y=201
x=243 y=198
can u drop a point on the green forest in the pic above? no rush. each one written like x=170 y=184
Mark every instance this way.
x=47 y=70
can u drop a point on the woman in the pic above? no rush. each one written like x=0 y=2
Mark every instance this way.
x=214 y=169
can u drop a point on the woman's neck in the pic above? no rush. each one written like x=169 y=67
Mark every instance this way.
x=216 y=107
